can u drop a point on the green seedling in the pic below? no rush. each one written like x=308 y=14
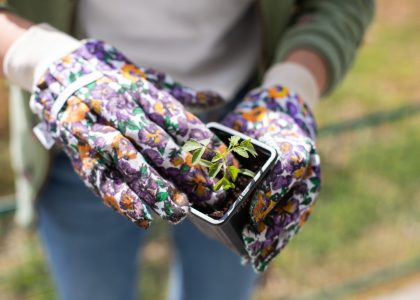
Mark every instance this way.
x=219 y=162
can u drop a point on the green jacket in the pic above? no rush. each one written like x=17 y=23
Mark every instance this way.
x=333 y=28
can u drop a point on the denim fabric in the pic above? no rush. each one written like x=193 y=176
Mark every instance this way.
x=92 y=251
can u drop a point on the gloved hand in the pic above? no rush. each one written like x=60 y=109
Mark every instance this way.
x=283 y=201
x=122 y=134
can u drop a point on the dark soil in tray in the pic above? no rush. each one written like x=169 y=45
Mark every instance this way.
x=232 y=194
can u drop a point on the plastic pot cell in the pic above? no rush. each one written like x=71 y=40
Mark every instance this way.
x=228 y=228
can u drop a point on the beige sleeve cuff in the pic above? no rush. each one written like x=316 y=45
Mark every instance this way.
x=295 y=77
x=31 y=54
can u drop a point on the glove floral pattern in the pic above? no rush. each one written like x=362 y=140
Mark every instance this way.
x=123 y=135
x=282 y=203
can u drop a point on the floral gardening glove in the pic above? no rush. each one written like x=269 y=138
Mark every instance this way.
x=283 y=201
x=123 y=135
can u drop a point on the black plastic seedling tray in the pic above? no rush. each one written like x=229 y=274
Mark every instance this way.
x=228 y=229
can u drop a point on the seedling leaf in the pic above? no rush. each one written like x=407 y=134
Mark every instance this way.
x=216 y=157
x=197 y=155
x=214 y=170
x=218 y=185
x=206 y=163
x=246 y=144
x=247 y=172
x=241 y=152
x=234 y=140
x=227 y=185
x=234 y=171
x=191 y=145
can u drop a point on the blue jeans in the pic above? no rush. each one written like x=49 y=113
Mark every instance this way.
x=92 y=251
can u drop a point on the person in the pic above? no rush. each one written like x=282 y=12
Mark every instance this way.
x=122 y=126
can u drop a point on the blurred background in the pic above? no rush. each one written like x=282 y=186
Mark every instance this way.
x=363 y=240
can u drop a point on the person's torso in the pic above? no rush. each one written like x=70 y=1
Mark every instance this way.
x=205 y=44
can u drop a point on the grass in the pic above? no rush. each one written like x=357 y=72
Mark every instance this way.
x=366 y=218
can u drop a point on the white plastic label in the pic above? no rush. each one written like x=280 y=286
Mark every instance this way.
x=43 y=135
